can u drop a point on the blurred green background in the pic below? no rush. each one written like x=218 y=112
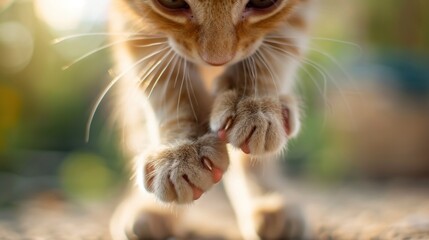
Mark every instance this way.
x=365 y=85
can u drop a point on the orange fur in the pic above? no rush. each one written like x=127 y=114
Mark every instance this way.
x=175 y=128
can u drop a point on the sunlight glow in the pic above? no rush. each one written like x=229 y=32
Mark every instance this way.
x=61 y=14
x=4 y=4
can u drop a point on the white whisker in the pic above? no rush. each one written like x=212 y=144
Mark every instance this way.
x=182 y=61
x=170 y=74
x=237 y=76
x=263 y=60
x=180 y=89
x=325 y=73
x=311 y=76
x=247 y=68
x=105 y=47
x=254 y=70
x=193 y=94
x=128 y=34
x=150 y=44
x=107 y=89
x=146 y=73
x=293 y=58
x=328 y=56
x=243 y=65
x=162 y=71
x=189 y=96
x=352 y=44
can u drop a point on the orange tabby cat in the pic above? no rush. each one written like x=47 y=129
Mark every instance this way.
x=176 y=128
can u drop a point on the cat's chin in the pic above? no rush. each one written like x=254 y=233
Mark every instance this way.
x=201 y=60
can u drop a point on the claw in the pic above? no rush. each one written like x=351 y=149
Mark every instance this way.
x=216 y=172
x=222 y=133
x=228 y=124
x=207 y=164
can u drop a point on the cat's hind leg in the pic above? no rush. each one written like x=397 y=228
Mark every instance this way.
x=262 y=211
x=141 y=216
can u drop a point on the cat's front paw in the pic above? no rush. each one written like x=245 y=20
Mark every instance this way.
x=183 y=171
x=257 y=125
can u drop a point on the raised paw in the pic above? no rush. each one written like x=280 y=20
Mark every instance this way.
x=257 y=125
x=183 y=171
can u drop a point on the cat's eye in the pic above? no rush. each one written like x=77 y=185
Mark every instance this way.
x=174 y=4
x=260 y=4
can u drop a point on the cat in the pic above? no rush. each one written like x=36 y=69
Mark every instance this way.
x=177 y=120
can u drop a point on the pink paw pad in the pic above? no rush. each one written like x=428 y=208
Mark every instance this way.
x=222 y=133
x=216 y=172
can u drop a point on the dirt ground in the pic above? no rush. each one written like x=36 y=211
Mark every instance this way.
x=356 y=211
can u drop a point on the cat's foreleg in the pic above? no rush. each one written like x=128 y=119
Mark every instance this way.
x=253 y=110
x=175 y=157
x=189 y=159
x=257 y=115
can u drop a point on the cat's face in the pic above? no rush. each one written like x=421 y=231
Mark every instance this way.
x=214 y=32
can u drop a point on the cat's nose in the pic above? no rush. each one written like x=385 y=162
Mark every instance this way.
x=217 y=47
x=216 y=59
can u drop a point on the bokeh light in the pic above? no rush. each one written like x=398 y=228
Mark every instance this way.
x=10 y=111
x=85 y=175
x=16 y=46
